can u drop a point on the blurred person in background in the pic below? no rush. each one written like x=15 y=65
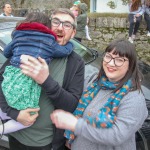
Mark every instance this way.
x=136 y=10
x=7 y=10
x=81 y=20
x=76 y=11
x=147 y=15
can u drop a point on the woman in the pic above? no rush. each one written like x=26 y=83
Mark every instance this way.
x=108 y=116
x=136 y=10
x=147 y=15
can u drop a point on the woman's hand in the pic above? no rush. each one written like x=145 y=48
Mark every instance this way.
x=37 y=69
x=64 y=120
x=138 y=15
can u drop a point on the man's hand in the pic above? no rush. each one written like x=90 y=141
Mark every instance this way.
x=26 y=118
x=64 y=120
x=37 y=69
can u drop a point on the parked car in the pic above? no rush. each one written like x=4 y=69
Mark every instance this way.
x=92 y=60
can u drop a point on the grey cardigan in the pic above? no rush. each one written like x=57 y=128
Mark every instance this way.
x=130 y=116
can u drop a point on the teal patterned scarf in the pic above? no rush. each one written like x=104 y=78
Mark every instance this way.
x=107 y=114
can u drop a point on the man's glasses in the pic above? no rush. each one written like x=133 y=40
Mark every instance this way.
x=66 y=25
x=118 y=61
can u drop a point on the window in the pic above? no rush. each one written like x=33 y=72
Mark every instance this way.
x=94 y=5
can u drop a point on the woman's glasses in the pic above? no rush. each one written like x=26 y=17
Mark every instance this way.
x=118 y=61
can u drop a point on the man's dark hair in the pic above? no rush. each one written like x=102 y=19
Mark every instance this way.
x=64 y=11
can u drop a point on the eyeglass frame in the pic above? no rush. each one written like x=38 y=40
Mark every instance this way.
x=62 y=22
x=114 y=59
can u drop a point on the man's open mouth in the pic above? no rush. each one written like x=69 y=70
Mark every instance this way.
x=59 y=36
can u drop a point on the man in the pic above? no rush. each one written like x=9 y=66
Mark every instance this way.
x=7 y=10
x=62 y=85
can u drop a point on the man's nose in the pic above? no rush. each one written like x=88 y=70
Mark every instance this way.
x=60 y=27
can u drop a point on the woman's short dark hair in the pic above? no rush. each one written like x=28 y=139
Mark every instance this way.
x=37 y=17
x=124 y=48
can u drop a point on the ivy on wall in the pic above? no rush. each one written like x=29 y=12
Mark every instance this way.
x=113 y=4
x=125 y=2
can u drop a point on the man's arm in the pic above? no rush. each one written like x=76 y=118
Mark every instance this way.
x=3 y=104
x=67 y=98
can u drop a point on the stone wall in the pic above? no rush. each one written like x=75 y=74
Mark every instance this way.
x=105 y=29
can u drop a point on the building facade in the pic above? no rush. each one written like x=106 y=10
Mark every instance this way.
x=107 y=6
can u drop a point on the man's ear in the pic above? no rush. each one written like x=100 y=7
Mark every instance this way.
x=73 y=33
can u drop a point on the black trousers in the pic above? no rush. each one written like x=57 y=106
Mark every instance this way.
x=16 y=145
x=147 y=19
x=134 y=26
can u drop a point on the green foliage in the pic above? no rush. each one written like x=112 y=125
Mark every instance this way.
x=16 y=3
x=111 y=4
x=125 y=2
x=29 y=4
x=149 y=40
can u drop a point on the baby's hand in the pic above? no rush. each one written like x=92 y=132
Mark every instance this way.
x=24 y=58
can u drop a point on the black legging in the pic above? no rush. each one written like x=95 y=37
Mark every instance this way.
x=147 y=19
x=134 y=26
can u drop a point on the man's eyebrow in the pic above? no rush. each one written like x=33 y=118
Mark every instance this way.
x=61 y=20
x=55 y=18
